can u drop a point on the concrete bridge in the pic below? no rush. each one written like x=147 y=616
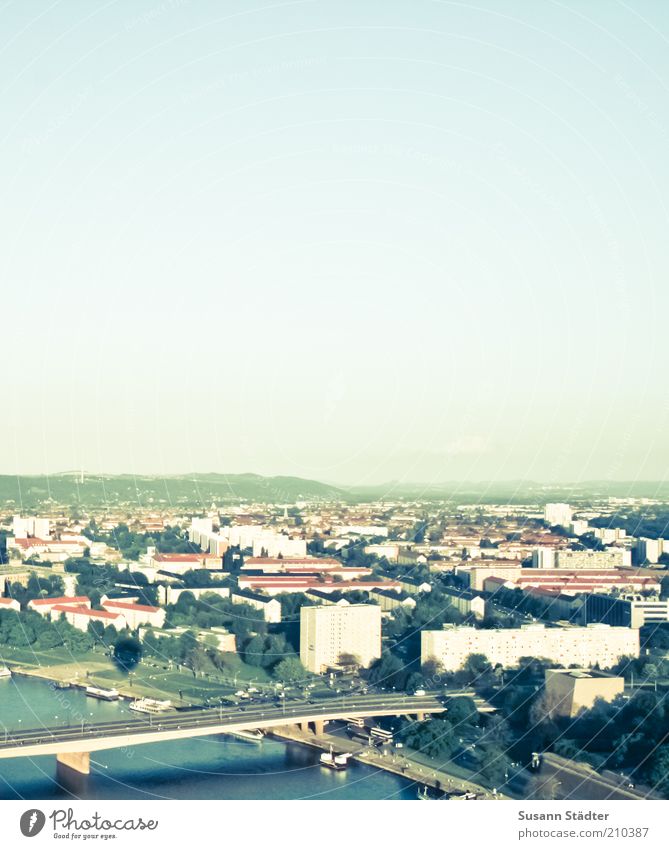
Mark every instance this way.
x=73 y=744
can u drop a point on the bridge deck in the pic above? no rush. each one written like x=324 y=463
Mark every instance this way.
x=175 y=726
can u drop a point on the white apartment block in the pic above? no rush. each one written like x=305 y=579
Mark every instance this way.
x=543 y=558
x=360 y=530
x=585 y=646
x=200 y=527
x=649 y=550
x=270 y=544
x=558 y=514
x=610 y=558
x=391 y=551
x=609 y=535
x=31 y=526
x=328 y=632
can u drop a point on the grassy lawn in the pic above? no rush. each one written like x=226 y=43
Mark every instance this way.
x=149 y=678
x=49 y=657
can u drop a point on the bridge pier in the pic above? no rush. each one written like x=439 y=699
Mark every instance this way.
x=77 y=761
x=420 y=716
x=304 y=726
x=319 y=726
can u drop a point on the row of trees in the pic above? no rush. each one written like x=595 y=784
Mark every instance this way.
x=269 y=651
x=30 y=630
x=132 y=544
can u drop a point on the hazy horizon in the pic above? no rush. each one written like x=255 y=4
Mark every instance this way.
x=348 y=242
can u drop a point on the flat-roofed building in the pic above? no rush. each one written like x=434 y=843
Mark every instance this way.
x=627 y=611
x=330 y=635
x=586 y=646
x=610 y=558
x=558 y=514
x=569 y=691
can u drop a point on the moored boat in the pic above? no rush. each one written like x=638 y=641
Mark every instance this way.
x=147 y=705
x=332 y=761
x=104 y=694
x=253 y=736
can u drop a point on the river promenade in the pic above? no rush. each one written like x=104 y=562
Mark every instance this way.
x=399 y=764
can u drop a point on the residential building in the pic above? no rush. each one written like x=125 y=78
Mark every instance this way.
x=270 y=607
x=466 y=602
x=31 y=526
x=610 y=558
x=137 y=614
x=575 y=581
x=277 y=583
x=329 y=633
x=558 y=514
x=43 y=606
x=390 y=600
x=170 y=594
x=81 y=617
x=587 y=646
x=649 y=550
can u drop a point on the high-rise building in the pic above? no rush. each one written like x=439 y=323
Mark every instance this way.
x=31 y=526
x=649 y=550
x=330 y=634
x=557 y=514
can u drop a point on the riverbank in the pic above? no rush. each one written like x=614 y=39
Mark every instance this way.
x=181 y=688
x=398 y=764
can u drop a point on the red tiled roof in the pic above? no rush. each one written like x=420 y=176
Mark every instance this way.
x=64 y=599
x=85 y=611
x=321 y=562
x=179 y=558
x=124 y=605
x=33 y=542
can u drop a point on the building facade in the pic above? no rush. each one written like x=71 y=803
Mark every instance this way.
x=587 y=646
x=327 y=633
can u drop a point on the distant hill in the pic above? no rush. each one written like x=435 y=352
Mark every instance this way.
x=27 y=492
x=512 y=492
x=188 y=490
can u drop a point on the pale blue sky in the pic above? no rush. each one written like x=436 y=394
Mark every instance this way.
x=347 y=240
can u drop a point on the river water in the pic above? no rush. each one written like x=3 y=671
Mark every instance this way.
x=214 y=767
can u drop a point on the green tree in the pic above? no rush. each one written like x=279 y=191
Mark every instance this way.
x=290 y=670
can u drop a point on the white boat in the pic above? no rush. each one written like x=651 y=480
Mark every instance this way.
x=5 y=672
x=252 y=736
x=150 y=705
x=332 y=761
x=106 y=695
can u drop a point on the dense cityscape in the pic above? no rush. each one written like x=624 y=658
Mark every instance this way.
x=492 y=649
